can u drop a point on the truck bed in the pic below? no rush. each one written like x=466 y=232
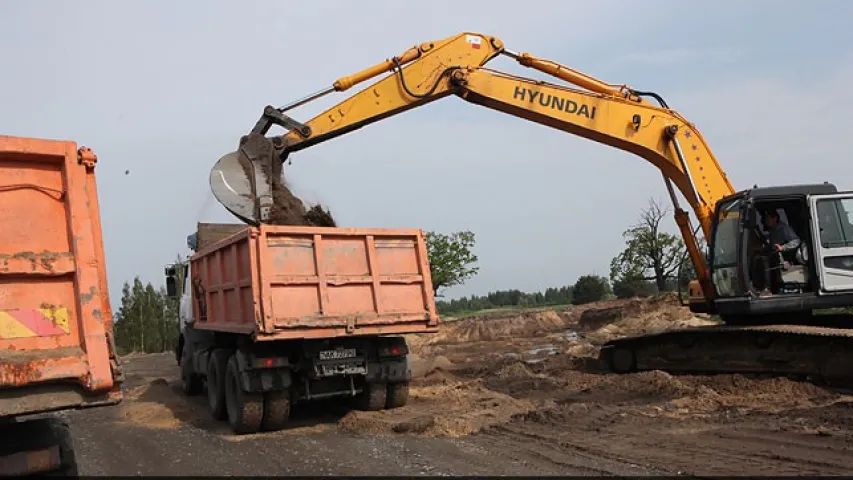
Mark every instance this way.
x=56 y=346
x=283 y=282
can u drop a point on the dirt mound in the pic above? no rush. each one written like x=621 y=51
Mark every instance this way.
x=637 y=317
x=422 y=367
x=156 y=405
x=454 y=409
x=509 y=326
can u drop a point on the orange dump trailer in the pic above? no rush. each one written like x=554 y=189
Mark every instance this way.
x=56 y=345
x=273 y=315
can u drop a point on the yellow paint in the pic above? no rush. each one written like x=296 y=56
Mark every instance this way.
x=611 y=114
x=59 y=317
x=11 y=328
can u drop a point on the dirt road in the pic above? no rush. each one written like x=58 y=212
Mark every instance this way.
x=513 y=395
x=159 y=432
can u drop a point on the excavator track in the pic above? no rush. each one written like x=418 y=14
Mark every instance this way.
x=807 y=352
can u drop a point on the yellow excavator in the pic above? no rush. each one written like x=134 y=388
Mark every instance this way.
x=770 y=294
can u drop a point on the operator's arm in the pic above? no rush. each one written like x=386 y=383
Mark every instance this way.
x=786 y=238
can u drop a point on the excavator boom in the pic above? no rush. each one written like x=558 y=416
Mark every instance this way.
x=634 y=121
x=613 y=115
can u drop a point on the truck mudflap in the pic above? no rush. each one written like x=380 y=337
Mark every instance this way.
x=816 y=353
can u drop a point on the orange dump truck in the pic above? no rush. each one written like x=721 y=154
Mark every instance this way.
x=274 y=315
x=56 y=346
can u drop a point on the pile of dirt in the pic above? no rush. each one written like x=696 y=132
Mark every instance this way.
x=637 y=317
x=654 y=393
x=481 y=329
x=157 y=405
x=452 y=408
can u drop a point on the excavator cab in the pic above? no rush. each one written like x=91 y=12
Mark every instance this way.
x=754 y=282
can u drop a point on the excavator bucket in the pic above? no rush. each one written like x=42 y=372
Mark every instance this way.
x=242 y=183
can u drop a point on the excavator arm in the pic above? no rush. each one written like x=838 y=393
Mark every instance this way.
x=613 y=115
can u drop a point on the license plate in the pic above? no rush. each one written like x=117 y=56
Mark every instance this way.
x=337 y=354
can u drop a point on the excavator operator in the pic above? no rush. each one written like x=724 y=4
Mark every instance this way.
x=782 y=236
x=782 y=239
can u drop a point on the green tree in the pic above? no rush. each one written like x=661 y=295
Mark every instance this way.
x=146 y=321
x=650 y=254
x=590 y=288
x=451 y=259
x=633 y=287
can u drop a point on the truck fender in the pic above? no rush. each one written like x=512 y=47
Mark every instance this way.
x=258 y=380
x=200 y=361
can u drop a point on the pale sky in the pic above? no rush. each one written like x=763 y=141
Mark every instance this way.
x=163 y=89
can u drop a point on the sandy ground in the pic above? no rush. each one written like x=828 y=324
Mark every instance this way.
x=516 y=394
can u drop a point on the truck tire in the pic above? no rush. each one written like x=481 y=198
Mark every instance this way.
x=276 y=410
x=39 y=434
x=68 y=467
x=373 y=397
x=191 y=382
x=398 y=395
x=245 y=409
x=216 y=367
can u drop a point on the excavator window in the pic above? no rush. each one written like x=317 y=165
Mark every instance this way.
x=767 y=268
x=725 y=248
x=835 y=222
x=727 y=234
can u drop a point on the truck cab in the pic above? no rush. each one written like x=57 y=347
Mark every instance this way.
x=752 y=279
x=176 y=287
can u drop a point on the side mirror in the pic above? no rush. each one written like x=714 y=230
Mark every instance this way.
x=171 y=287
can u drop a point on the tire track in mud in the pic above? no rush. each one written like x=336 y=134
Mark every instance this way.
x=688 y=424
x=515 y=444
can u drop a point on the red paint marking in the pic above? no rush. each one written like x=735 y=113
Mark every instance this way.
x=687 y=133
x=475 y=46
x=695 y=147
x=36 y=321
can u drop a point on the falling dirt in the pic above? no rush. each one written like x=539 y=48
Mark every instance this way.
x=287 y=209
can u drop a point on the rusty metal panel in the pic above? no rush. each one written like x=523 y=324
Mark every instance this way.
x=223 y=284
x=313 y=282
x=55 y=314
x=210 y=233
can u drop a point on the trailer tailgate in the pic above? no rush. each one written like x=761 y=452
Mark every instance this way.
x=54 y=306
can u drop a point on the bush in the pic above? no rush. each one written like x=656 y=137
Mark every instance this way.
x=590 y=288
x=634 y=288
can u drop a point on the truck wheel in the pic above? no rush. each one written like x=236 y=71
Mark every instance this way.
x=373 y=397
x=216 y=367
x=68 y=467
x=39 y=434
x=276 y=410
x=398 y=395
x=191 y=383
x=245 y=409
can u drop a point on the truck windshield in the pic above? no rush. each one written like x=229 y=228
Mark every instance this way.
x=726 y=235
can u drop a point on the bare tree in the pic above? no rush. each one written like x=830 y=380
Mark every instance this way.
x=650 y=254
